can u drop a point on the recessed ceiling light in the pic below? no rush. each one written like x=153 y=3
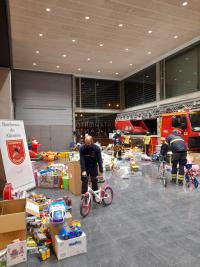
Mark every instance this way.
x=184 y=3
x=117 y=105
x=37 y=51
x=187 y=58
x=48 y=9
x=34 y=64
x=40 y=34
x=147 y=76
x=175 y=36
x=150 y=31
x=89 y=59
x=58 y=67
x=149 y=52
x=126 y=49
x=64 y=55
x=175 y=79
x=130 y=64
x=109 y=105
x=101 y=44
x=87 y=17
x=79 y=69
x=117 y=73
x=120 y=25
x=98 y=71
x=195 y=73
x=110 y=61
x=73 y=40
x=180 y=70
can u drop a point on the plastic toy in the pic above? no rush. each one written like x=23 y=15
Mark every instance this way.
x=31 y=242
x=44 y=253
x=76 y=223
x=57 y=212
x=69 y=232
x=33 y=150
x=7 y=192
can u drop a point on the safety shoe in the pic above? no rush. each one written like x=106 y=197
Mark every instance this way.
x=180 y=182
x=173 y=181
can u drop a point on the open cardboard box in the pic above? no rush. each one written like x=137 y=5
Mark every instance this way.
x=35 y=208
x=12 y=221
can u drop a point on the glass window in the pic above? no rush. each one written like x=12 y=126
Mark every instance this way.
x=103 y=94
x=141 y=87
x=181 y=72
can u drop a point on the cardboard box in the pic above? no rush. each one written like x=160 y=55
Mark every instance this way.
x=12 y=221
x=70 y=247
x=74 y=172
x=34 y=208
x=16 y=253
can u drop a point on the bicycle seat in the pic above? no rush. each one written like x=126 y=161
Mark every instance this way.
x=188 y=166
x=101 y=181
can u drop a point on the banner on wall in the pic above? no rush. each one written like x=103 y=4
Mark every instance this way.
x=15 y=155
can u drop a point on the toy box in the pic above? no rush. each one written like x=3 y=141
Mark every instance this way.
x=16 y=253
x=35 y=208
x=70 y=247
x=12 y=221
x=3 y=258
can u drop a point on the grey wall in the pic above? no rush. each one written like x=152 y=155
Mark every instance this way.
x=44 y=102
x=5 y=94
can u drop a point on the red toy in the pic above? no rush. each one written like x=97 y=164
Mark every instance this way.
x=7 y=192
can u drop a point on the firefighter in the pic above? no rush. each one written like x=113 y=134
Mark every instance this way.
x=179 y=155
x=117 y=144
x=147 y=141
x=90 y=161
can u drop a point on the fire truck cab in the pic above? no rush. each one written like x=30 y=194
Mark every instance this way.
x=189 y=124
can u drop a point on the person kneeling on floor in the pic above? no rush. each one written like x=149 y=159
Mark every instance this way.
x=90 y=161
x=179 y=154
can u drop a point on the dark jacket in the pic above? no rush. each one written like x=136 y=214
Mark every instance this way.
x=117 y=139
x=176 y=143
x=90 y=159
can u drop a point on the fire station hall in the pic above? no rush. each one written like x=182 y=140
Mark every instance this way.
x=100 y=133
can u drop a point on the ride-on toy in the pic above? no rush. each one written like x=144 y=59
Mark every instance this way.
x=190 y=176
x=104 y=195
x=69 y=232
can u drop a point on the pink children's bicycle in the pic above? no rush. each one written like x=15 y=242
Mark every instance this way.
x=104 y=196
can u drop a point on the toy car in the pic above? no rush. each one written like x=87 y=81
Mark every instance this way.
x=69 y=232
x=57 y=212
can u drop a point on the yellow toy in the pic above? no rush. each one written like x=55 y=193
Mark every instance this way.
x=134 y=166
x=76 y=223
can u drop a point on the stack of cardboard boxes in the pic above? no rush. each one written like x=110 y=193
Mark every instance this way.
x=13 y=231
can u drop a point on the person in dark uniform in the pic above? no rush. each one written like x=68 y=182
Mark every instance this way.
x=117 y=144
x=90 y=161
x=179 y=155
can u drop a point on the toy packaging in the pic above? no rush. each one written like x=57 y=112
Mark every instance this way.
x=3 y=258
x=16 y=253
x=70 y=247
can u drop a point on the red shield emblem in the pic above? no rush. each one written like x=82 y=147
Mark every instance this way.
x=16 y=152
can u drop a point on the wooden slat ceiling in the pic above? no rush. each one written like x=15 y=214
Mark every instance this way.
x=66 y=21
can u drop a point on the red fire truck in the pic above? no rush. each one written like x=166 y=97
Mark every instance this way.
x=189 y=124
x=136 y=127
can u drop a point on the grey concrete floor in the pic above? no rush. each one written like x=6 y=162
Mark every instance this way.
x=146 y=225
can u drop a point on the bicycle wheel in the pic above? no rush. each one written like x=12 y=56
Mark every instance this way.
x=108 y=196
x=195 y=182
x=85 y=206
x=164 y=180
